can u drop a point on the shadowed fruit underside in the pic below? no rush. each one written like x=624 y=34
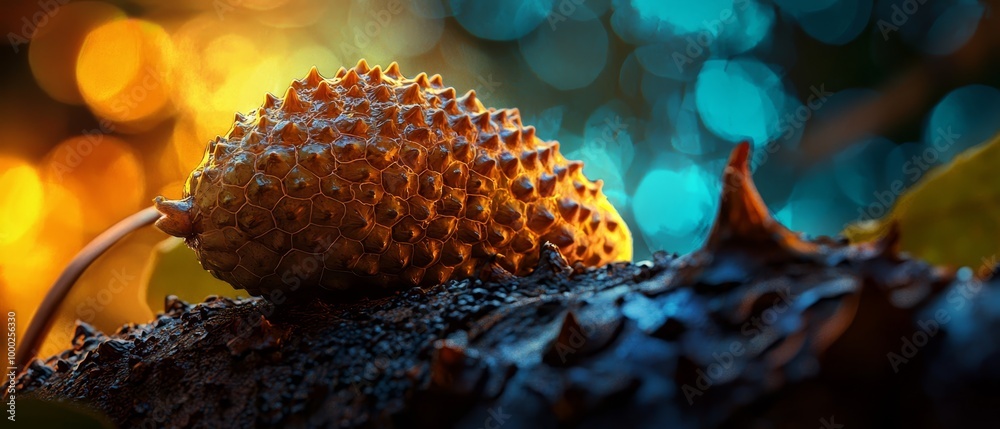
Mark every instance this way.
x=368 y=182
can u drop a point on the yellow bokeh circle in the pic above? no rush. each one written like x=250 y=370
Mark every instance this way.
x=55 y=47
x=103 y=172
x=123 y=71
x=21 y=201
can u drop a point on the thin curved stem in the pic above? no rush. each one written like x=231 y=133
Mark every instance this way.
x=39 y=327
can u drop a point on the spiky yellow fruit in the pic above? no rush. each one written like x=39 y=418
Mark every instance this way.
x=368 y=182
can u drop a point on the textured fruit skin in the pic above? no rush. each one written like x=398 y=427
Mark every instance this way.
x=367 y=183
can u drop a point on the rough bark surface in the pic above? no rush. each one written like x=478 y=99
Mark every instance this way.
x=760 y=328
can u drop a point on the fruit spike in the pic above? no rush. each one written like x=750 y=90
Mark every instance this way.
x=437 y=81
x=421 y=80
x=324 y=93
x=350 y=79
x=412 y=94
x=270 y=101
x=439 y=120
x=448 y=93
x=393 y=71
x=382 y=94
x=413 y=116
x=292 y=103
x=470 y=102
x=313 y=78
x=375 y=74
x=385 y=184
x=362 y=67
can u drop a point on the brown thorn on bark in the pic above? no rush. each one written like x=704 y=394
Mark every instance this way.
x=743 y=216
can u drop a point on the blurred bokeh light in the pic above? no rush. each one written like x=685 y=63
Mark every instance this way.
x=107 y=104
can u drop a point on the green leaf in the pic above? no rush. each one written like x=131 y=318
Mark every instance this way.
x=952 y=216
x=174 y=270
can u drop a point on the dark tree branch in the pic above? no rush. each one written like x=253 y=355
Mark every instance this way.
x=759 y=326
